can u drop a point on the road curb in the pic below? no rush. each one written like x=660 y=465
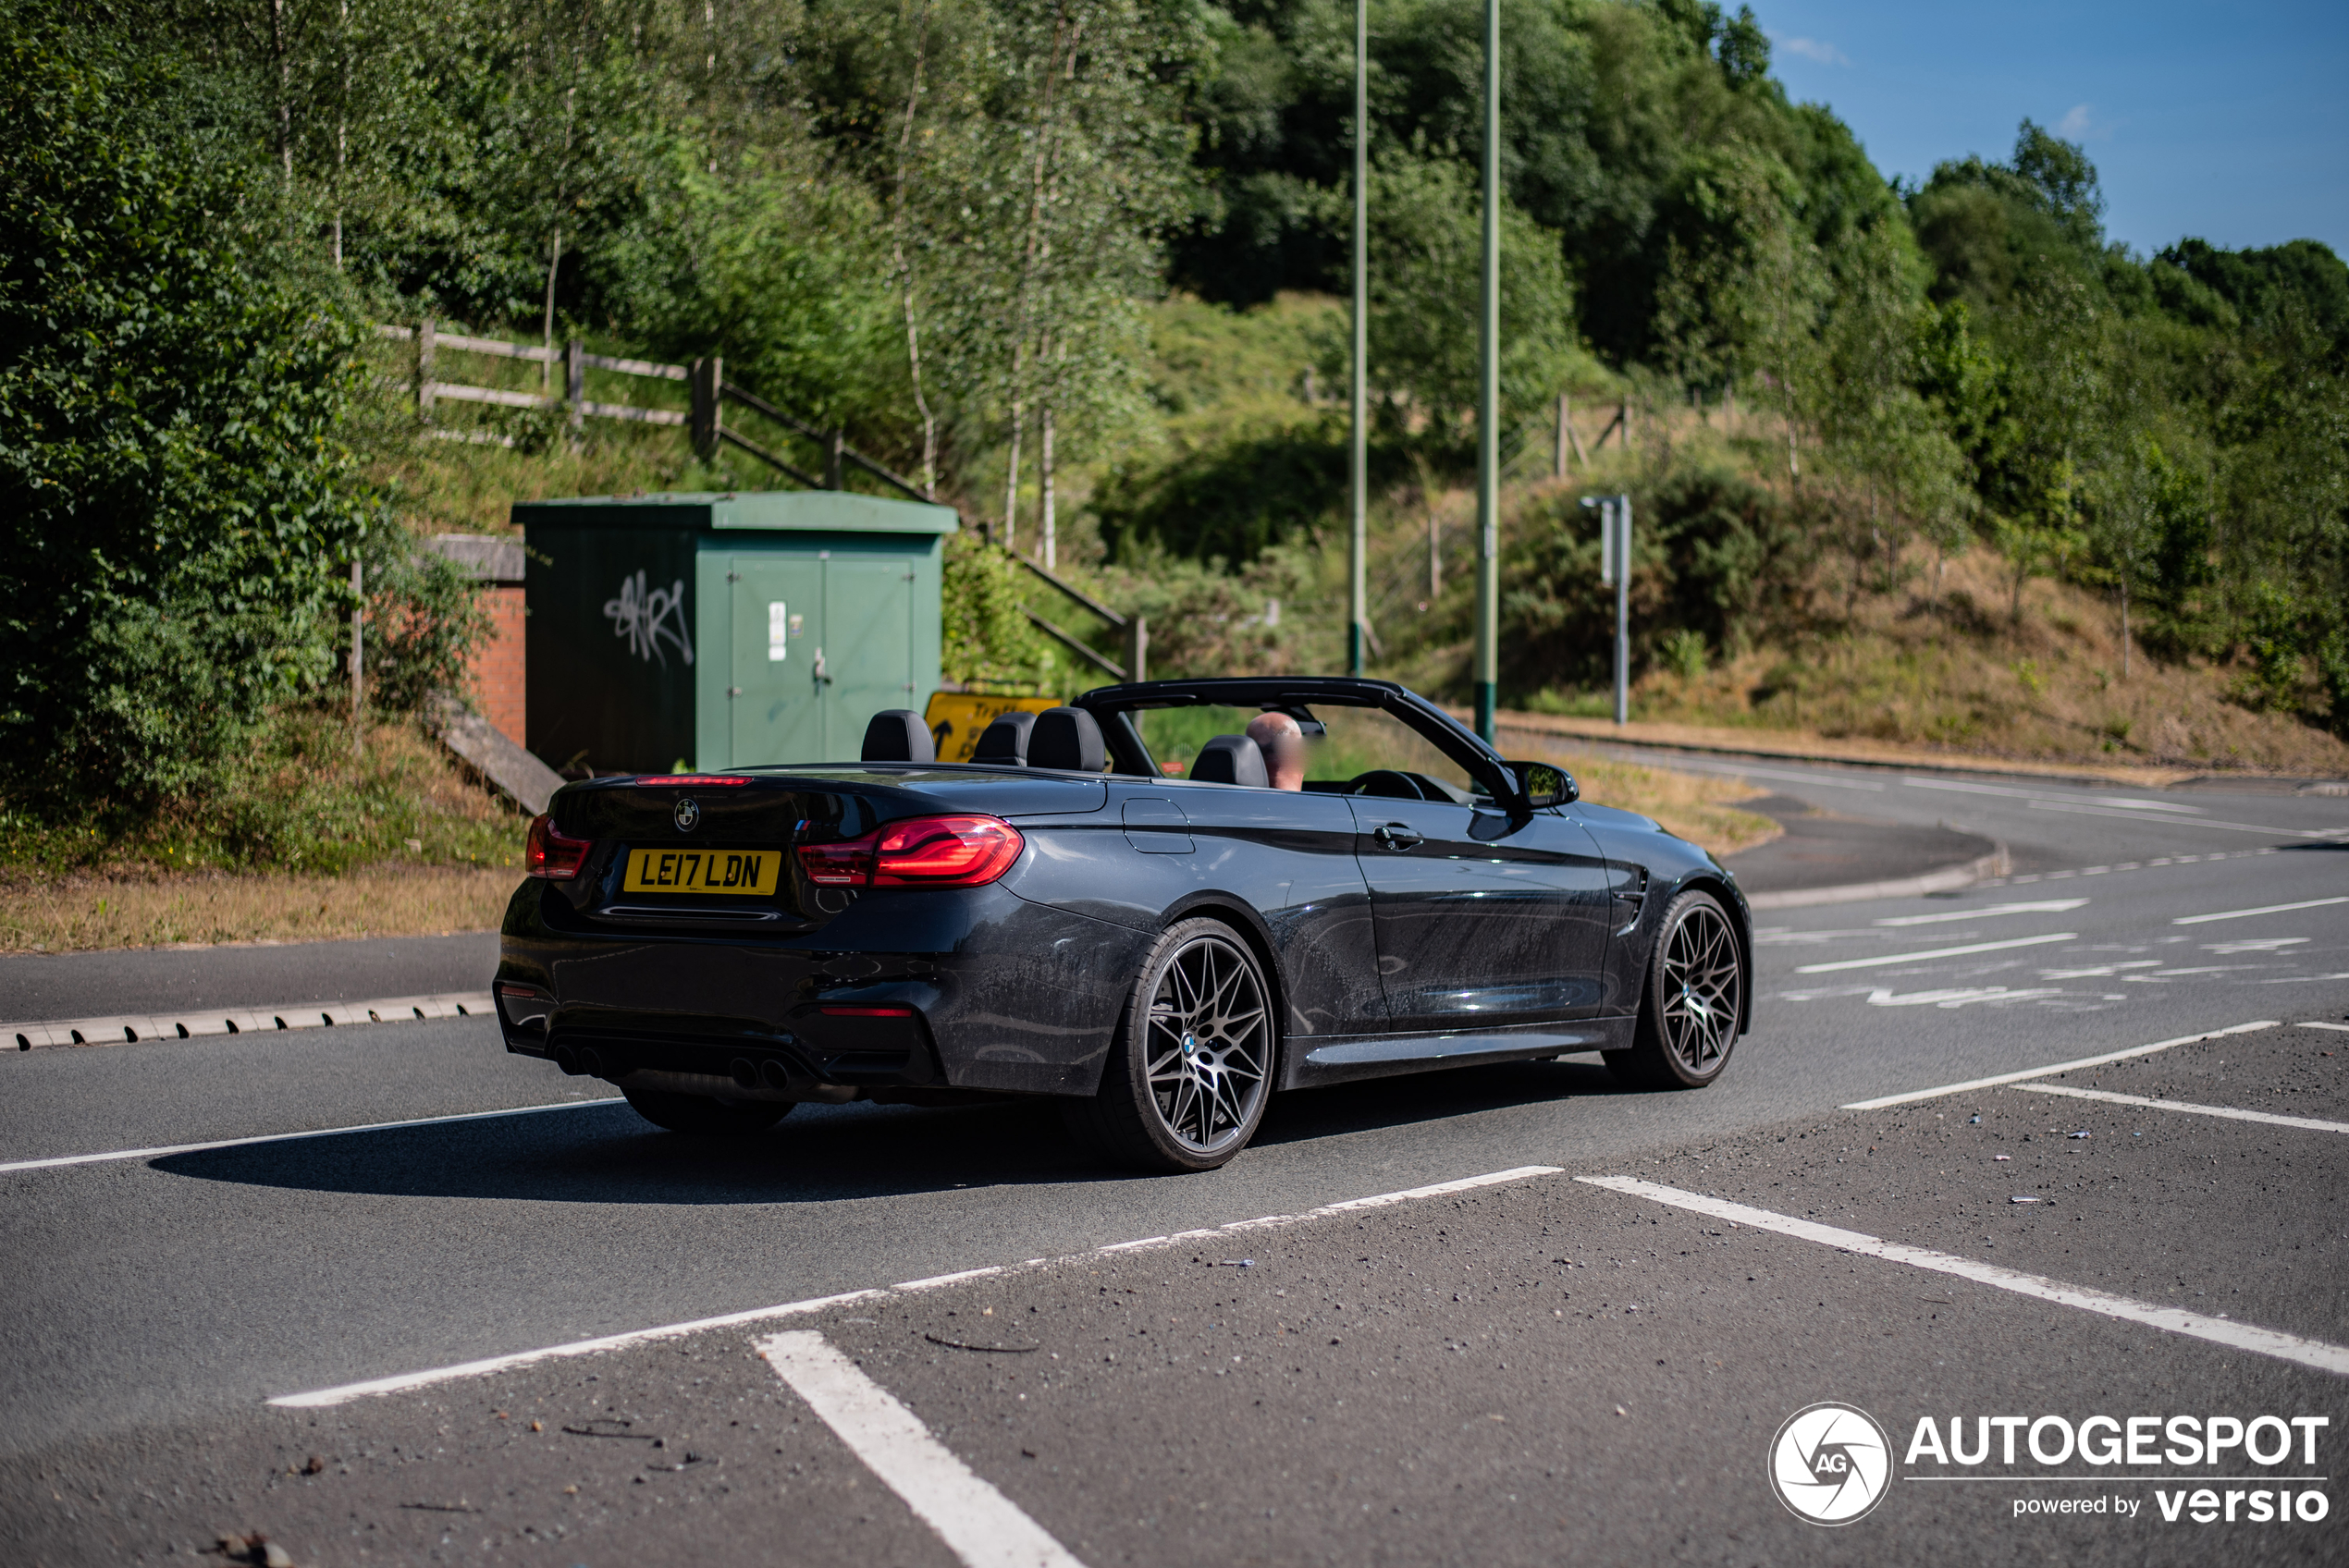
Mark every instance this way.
x=1995 y=863
x=132 y=1028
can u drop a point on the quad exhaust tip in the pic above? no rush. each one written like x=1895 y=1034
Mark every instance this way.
x=568 y=1059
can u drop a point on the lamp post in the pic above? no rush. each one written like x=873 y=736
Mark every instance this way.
x=1488 y=402
x=1358 y=609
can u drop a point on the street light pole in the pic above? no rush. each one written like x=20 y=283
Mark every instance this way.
x=1358 y=610
x=1488 y=404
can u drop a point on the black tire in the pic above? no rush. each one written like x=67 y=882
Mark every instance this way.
x=1689 y=1007
x=1191 y=1066
x=705 y=1117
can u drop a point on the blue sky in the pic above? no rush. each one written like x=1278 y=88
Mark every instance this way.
x=2229 y=123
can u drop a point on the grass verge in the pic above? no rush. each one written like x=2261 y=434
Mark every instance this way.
x=1699 y=808
x=66 y=913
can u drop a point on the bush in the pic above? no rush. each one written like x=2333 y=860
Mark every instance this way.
x=1716 y=559
x=177 y=505
x=987 y=641
x=424 y=619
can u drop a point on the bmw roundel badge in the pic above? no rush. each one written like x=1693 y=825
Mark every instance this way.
x=688 y=813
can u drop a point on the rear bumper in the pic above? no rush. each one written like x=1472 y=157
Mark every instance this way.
x=970 y=989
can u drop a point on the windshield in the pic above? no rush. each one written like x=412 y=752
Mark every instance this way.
x=1347 y=750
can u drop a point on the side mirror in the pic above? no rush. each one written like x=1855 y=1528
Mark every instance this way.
x=1545 y=784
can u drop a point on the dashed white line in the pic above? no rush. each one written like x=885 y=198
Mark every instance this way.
x=344 y=1393
x=2319 y=1354
x=2042 y=906
x=1880 y=960
x=2004 y=1078
x=160 y=1150
x=980 y=1524
x=2305 y=1123
x=2246 y=913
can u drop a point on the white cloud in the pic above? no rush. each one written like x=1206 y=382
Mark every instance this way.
x=2074 y=125
x=1814 y=51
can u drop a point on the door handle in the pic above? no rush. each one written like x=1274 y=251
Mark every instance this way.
x=1396 y=836
x=820 y=677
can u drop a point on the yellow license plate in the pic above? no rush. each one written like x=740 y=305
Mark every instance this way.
x=749 y=873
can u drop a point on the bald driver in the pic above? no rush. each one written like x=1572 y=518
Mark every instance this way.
x=1282 y=743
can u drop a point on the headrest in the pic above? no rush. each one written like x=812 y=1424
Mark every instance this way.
x=898 y=735
x=1005 y=739
x=1066 y=737
x=1229 y=759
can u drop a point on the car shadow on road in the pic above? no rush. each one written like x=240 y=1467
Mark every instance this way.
x=818 y=1154
x=1404 y=1100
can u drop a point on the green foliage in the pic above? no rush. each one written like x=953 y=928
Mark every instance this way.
x=1230 y=500
x=424 y=619
x=1717 y=561
x=1426 y=285
x=177 y=497
x=988 y=642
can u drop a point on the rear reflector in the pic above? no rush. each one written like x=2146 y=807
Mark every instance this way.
x=921 y=851
x=548 y=854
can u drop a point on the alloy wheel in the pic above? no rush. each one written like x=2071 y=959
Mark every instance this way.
x=1207 y=1044
x=1700 y=990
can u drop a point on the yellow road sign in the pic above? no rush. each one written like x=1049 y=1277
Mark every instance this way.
x=956 y=719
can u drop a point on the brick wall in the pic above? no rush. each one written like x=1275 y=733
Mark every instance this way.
x=498 y=667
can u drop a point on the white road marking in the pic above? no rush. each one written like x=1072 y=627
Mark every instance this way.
x=2305 y=1123
x=2319 y=1353
x=1798 y=777
x=2246 y=913
x=2313 y=1023
x=347 y=1392
x=322 y=1398
x=1885 y=996
x=160 y=1151
x=935 y=1281
x=2044 y=906
x=2050 y=1071
x=2013 y=794
x=2190 y=821
x=1880 y=960
x=980 y=1524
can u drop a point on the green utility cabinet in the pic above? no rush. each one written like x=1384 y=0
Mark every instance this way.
x=725 y=630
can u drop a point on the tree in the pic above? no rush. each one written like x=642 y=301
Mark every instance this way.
x=178 y=500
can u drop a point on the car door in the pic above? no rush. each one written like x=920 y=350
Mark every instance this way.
x=1482 y=918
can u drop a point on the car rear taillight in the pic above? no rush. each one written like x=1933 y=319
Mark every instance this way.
x=921 y=851
x=549 y=854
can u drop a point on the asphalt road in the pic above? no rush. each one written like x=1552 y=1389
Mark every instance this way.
x=1521 y=1371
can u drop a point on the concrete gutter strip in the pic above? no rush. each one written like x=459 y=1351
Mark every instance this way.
x=1947 y=879
x=243 y=1021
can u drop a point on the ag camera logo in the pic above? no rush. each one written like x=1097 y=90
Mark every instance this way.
x=1830 y=1463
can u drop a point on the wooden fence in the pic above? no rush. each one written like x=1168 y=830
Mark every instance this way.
x=705 y=379
x=705 y=423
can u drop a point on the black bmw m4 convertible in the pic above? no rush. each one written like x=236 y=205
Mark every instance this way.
x=1158 y=905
